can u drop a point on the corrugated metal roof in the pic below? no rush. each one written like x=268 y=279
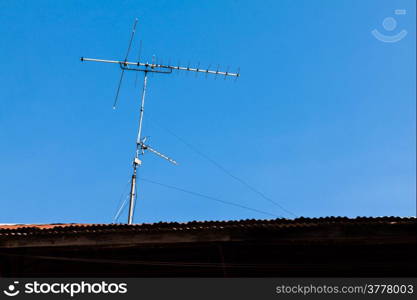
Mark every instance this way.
x=29 y=229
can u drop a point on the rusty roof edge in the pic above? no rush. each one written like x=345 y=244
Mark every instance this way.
x=391 y=229
x=160 y=226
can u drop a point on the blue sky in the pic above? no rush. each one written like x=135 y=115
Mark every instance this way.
x=322 y=120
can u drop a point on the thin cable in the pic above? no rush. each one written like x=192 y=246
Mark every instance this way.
x=116 y=216
x=208 y=197
x=224 y=170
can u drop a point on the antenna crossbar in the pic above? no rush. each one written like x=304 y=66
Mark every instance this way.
x=150 y=67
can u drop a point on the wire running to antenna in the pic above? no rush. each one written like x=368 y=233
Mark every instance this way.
x=119 y=212
x=224 y=170
x=209 y=197
x=120 y=204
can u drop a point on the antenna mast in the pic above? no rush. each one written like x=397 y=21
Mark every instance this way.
x=146 y=68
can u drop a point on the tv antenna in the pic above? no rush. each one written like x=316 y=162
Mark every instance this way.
x=146 y=68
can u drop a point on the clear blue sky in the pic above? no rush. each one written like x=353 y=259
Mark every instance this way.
x=322 y=120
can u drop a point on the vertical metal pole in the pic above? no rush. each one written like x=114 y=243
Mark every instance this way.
x=142 y=107
x=132 y=195
x=136 y=161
